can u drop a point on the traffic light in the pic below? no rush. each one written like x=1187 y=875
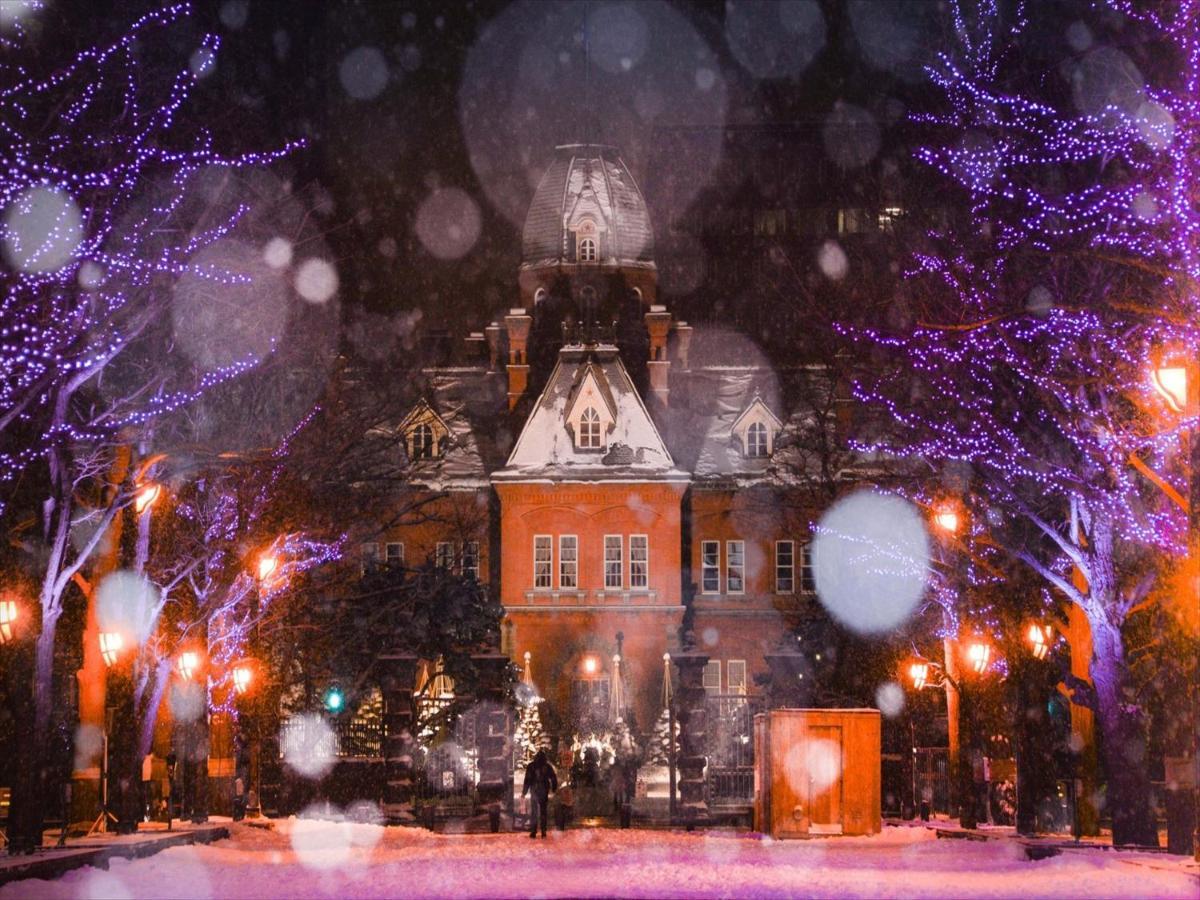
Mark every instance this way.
x=335 y=700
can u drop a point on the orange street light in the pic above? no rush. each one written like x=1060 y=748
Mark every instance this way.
x=946 y=518
x=1171 y=382
x=146 y=496
x=979 y=654
x=243 y=674
x=8 y=618
x=189 y=662
x=267 y=564
x=918 y=671
x=1039 y=639
x=111 y=644
x=590 y=665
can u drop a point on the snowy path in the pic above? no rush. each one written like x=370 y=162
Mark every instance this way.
x=324 y=859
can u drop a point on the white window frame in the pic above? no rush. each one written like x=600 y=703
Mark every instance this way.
x=368 y=553
x=789 y=572
x=731 y=666
x=589 y=430
x=443 y=555
x=706 y=568
x=730 y=567
x=807 y=578
x=568 y=578
x=609 y=584
x=757 y=441
x=711 y=668
x=543 y=580
x=396 y=559
x=471 y=555
x=643 y=582
x=423 y=449
x=588 y=249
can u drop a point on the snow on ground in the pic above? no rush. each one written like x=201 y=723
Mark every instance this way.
x=309 y=858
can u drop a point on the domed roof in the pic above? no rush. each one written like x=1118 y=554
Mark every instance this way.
x=588 y=182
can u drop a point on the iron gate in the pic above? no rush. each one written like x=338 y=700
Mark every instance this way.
x=730 y=739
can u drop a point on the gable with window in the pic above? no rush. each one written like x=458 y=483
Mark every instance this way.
x=591 y=412
x=756 y=430
x=425 y=433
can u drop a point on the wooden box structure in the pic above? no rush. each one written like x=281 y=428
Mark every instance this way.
x=817 y=771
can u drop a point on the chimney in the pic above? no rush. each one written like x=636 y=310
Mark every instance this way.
x=518 y=324
x=493 y=344
x=658 y=324
x=476 y=351
x=683 y=331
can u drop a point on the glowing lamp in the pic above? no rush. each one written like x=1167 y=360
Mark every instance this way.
x=189 y=661
x=1039 y=640
x=242 y=676
x=267 y=564
x=111 y=644
x=8 y=618
x=146 y=496
x=334 y=699
x=918 y=671
x=979 y=653
x=946 y=518
x=590 y=665
x=1171 y=384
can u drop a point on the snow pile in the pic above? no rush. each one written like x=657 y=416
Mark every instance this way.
x=313 y=858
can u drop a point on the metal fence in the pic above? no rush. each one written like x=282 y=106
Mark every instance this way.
x=348 y=737
x=730 y=739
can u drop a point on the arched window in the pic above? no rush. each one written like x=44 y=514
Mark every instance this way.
x=756 y=440
x=538 y=296
x=587 y=250
x=589 y=429
x=422 y=442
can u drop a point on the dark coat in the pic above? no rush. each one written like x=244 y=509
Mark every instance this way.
x=539 y=777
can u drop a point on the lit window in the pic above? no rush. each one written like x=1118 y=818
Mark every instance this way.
x=710 y=567
x=538 y=296
x=422 y=442
x=568 y=561
x=542 y=560
x=587 y=250
x=394 y=554
x=639 y=561
x=613 y=563
x=808 y=581
x=735 y=566
x=756 y=440
x=737 y=676
x=444 y=559
x=471 y=559
x=369 y=556
x=589 y=429
x=785 y=567
x=712 y=676
x=888 y=217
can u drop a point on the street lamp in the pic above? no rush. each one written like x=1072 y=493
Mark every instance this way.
x=946 y=517
x=918 y=671
x=145 y=496
x=1171 y=384
x=590 y=665
x=1039 y=639
x=979 y=654
x=267 y=564
x=8 y=618
x=242 y=676
x=111 y=644
x=189 y=662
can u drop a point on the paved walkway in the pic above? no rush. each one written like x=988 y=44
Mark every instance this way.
x=50 y=860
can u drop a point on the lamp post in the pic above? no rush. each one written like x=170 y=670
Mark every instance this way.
x=948 y=519
x=1174 y=380
x=8 y=620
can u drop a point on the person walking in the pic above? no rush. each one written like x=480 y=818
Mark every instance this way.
x=540 y=783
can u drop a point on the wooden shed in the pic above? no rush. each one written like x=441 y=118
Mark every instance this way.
x=817 y=771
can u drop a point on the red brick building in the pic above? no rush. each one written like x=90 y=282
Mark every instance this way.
x=602 y=473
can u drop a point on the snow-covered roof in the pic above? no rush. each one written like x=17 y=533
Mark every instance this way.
x=546 y=449
x=587 y=180
x=462 y=399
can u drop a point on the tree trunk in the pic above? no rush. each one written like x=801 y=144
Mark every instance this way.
x=1124 y=740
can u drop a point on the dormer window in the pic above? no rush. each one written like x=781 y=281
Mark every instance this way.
x=425 y=433
x=756 y=440
x=756 y=430
x=589 y=430
x=587 y=250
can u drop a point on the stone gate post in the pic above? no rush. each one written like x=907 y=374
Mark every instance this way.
x=692 y=715
x=398 y=680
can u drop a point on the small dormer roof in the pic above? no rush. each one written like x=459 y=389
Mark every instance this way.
x=759 y=409
x=422 y=411
x=591 y=374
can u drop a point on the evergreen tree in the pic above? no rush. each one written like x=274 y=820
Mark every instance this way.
x=531 y=736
